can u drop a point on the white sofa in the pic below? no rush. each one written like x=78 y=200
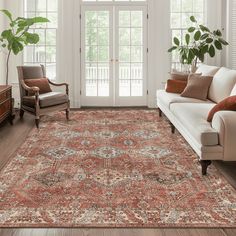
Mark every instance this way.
x=211 y=141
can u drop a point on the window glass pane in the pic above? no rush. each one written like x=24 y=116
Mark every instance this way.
x=45 y=51
x=181 y=10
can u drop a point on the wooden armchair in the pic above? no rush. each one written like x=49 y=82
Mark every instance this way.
x=37 y=103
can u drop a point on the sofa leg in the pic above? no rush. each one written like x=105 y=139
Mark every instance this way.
x=22 y=112
x=160 y=112
x=67 y=114
x=172 y=128
x=37 y=123
x=205 y=165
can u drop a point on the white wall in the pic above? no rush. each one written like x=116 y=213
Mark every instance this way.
x=68 y=58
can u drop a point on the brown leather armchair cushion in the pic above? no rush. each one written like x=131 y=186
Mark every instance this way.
x=46 y=99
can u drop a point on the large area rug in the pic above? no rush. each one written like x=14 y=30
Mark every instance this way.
x=111 y=168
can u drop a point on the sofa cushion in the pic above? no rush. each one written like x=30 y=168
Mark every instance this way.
x=222 y=84
x=197 y=87
x=206 y=70
x=233 y=93
x=193 y=116
x=47 y=99
x=169 y=98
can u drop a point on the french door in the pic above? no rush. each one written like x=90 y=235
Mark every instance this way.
x=114 y=56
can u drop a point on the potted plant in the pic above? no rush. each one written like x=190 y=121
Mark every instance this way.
x=17 y=36
x=199 y=41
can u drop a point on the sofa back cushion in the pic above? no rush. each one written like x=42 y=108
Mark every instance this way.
x=222 y=84
x=233 y=93
x=206 y=70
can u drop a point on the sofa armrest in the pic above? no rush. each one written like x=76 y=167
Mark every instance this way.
x=225 y=123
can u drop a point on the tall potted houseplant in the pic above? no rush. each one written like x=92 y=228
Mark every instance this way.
x=198 y=42
x=17 y=36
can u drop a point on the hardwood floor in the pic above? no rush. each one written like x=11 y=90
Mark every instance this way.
x=11 y=137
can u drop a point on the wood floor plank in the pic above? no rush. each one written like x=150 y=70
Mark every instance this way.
x=230 y=232
x=12 y=137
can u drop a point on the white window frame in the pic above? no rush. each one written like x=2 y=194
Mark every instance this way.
x=37 y=13
x=173 y=65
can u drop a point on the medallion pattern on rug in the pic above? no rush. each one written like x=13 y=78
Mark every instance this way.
x=111 y=168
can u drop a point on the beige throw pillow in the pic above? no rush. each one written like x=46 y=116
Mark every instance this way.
x=197 y=87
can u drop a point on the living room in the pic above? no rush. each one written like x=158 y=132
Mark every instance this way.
x=118 y=117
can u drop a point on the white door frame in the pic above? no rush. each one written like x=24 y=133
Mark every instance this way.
x=114 y=99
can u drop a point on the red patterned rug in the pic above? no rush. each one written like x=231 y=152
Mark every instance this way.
x=111 y=168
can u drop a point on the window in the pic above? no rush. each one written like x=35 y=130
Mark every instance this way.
x=181 y=10
x=45 y=51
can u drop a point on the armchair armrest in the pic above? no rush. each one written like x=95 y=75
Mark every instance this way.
x=34 y=90
x=225 y=123
x=59 y=85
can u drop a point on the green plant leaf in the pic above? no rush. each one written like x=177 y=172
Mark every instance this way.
x=191 y=29
x=172 y=49
x=212 y=51
x=204 y=49
x=187 y=39
x=20 y=29
x=8 y=14
x=201 y=57
x=204 y=28
x=8 y=35
x=209 y=40
x=16 y=46
x=40 y=20
x=218 y=33
x=176 y=41
x=197 y=35
x=223 y=41
x=218 y=45
x=204 y=36
x=32 y=38
x=191 y=56
x=193 y=19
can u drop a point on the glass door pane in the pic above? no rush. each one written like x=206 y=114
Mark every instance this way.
x=97 y=53
x=130 y=53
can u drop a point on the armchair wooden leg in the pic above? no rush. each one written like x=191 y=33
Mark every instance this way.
x=160 y=112
x=205 y=165
x=22 y=112
x=37 y=122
